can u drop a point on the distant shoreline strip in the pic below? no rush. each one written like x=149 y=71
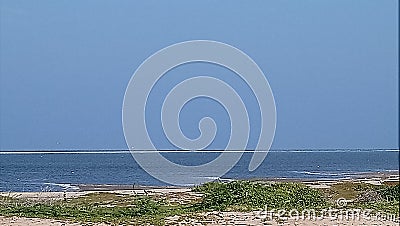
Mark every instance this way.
x=181 y=151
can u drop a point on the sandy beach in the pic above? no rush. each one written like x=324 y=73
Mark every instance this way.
x=185 y=195
x=210 y=219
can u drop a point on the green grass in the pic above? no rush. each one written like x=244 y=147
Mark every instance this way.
x=140 y=209
x=97 y=207
x=245 y=195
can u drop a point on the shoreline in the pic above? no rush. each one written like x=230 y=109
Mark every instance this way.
x=375 y=178
x=379 y=178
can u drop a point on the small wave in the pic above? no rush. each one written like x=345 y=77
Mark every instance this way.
x=66 y=187
x=220 y=179
x=319 y=173
x=34 y=186
x=205 y=179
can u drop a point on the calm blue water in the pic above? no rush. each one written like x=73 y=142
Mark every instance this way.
x=35 y=172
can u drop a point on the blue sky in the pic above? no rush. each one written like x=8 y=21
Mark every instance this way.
x=332 y=66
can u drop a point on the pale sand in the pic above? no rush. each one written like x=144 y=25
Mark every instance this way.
x=23 y=221
x=258 y=218
x=76 y=194
x=210 y=218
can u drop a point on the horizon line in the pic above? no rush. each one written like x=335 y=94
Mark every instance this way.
x=114 y=151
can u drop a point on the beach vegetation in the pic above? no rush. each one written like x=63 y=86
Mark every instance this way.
x=245 y=195
x=117 y=208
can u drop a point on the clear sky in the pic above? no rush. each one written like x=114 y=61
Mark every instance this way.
x=332 y=66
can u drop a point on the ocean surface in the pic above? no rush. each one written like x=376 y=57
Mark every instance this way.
x=39 y=171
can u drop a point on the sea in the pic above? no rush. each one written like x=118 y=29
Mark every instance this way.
x=65 y=170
